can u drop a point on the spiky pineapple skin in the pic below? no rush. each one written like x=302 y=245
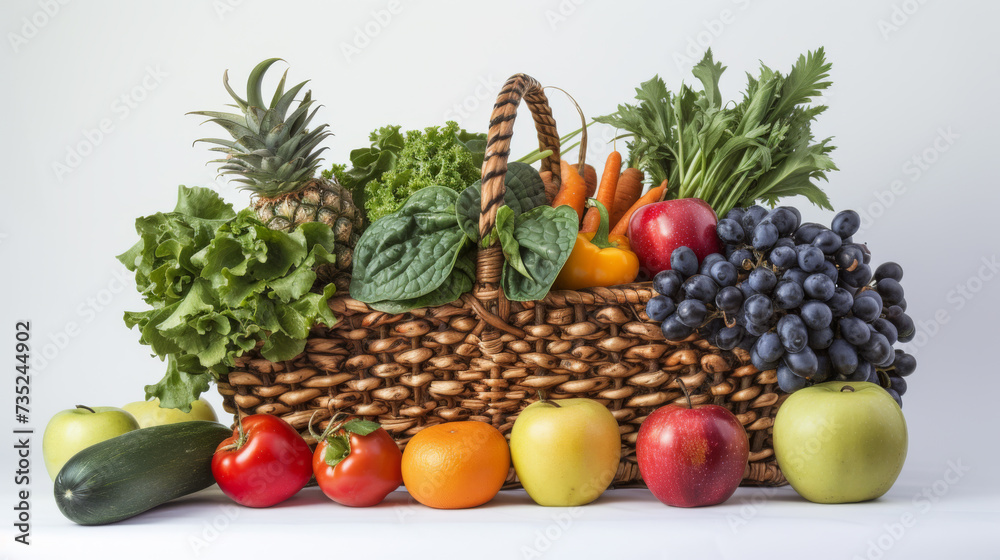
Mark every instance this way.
x=324 y=201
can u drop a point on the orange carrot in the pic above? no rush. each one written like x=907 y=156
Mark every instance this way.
x=590 y=177
x=628 y=191
x=605 y=193
x=573 y=191
x=654 y=194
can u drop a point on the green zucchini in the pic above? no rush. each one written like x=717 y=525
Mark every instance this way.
x=139 y=470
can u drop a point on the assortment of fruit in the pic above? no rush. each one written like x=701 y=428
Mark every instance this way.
x=398 y=228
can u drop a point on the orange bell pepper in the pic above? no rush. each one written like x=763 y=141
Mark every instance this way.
x=598 y=259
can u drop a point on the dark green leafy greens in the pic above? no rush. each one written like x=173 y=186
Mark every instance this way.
x=760 y=149
x=217 y=283
x=384 y=175
x=424 y=254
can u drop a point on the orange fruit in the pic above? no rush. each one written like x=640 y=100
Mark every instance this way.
x=456 y=464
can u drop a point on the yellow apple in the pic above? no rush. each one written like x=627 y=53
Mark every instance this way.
x=565 y=451
x=73 y=430
x=150 y=413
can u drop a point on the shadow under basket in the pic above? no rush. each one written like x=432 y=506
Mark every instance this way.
x=485 y=358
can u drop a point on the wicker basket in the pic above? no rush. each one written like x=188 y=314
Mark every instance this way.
x=484 y=358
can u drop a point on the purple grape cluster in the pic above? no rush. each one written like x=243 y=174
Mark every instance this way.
x=802 y=299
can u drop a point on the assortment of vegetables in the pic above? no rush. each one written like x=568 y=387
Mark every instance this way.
x=221 y=283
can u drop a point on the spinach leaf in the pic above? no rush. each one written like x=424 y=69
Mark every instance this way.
x=458 y=282
x=523 y=191
x=410 y=253
x=543 y=238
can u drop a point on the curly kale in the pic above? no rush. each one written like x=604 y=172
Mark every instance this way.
x=384 y=175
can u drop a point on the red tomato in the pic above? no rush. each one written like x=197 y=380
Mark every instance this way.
x=358 y=465
x=268 y=464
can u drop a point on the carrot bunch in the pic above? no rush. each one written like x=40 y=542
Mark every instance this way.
x=619 y=191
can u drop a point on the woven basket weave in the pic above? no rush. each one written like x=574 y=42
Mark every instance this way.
x=484 y=358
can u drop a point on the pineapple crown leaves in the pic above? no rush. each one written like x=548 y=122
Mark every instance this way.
x=272 y=151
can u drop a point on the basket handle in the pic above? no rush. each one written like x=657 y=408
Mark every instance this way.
x=501 y=129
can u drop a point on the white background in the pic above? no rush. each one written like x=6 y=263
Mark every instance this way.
x=911 y=110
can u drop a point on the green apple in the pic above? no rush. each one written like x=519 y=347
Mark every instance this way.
x=840 y=442
x=565 y=452
x=73 y=430
x=150 y=413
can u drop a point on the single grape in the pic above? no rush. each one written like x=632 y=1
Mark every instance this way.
x=769 y=347
x=692 y=312
x=831 y=272
x=816 y=315
x=788 y=381
x=848 y=257
x=729 y=299
x=889 y=270
x=827 y=241
x=729 y=231
x=810 y=258
x=674 y=330
x=890 y=290
x=788 y=295
x=760 y=363
x=843 y=356
x=897 y=384
x=762 y=280
x=701 y=288
x=785 y=242
x=895 y=396
x=877 y=350
x=796 y=213
x=866 y=308
x=742 y=259
x=865 y=253
x=659 y=307
x=784 y=220
x=904 y=364
x=747 y=289
x=858 y=277
x=820 y=339
x=729 y=337
x=793 y=333
x=846 y=223
x=819 y=286
x=854 y=330
x=807 y=232
x=765 y=235
x=873 y=377
x=783 y=257
x=758 y=308
x=861 y=373
x=886 y=329
x=906 y=329
x=757 y=329
x=668 y=282
x=735 y=214
x=724 y=273
x=752 y=216
x=707 y=262
x=841 y=302
x=684 y=260
x=802 y=363
x=902 y=304
x=796 y=275
x=823 y=369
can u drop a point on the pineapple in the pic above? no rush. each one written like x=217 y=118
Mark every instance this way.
x=276 y=157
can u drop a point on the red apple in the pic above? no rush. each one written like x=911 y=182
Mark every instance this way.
x=656 y=229
x=692 y=457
